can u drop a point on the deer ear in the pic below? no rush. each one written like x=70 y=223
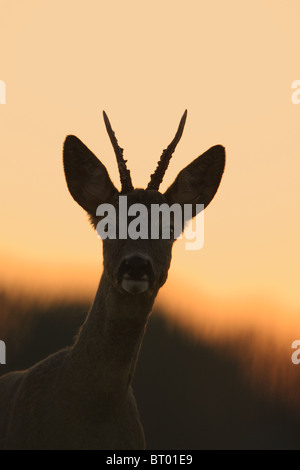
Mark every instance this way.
x=198 y=182
x=87 y=178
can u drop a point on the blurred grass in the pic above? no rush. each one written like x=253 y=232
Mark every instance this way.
x=191 y=394
x=33 y=328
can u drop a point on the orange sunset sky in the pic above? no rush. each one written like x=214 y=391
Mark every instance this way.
x=232 y=65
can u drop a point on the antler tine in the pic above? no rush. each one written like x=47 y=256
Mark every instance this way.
x=125 y=177
x=157 y=177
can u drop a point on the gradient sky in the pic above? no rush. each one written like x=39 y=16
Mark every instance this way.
x=231 y=64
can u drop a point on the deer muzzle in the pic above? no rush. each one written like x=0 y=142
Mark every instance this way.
x=135 y=274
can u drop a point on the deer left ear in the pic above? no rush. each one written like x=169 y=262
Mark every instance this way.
x=198 y=182
x=87 y=178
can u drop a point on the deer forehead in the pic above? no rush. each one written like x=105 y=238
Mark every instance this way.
x=145 y=197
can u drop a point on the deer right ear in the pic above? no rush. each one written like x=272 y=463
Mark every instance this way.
x=198 y=182
x=87 y=178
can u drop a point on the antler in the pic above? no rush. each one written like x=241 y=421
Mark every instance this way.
x=157 y=177
x=123 y=170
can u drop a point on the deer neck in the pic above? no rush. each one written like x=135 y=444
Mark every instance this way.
x=108 y=345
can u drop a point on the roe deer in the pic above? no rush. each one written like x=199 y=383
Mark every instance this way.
x=81 y=397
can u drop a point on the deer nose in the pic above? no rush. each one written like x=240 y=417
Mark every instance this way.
x=135 y=274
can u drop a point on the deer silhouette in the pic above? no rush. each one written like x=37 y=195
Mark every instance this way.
x=81 y=397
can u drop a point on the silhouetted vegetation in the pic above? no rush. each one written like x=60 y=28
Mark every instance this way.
x=190 y=395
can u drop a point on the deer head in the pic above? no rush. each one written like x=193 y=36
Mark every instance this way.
x=139 y=266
